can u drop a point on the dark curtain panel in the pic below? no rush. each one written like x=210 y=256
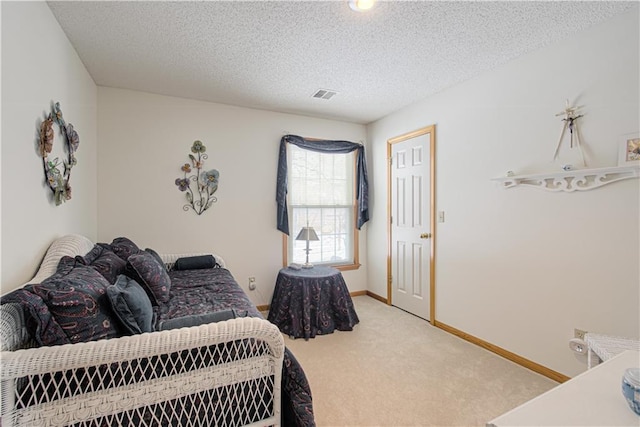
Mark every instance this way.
x=322 y=146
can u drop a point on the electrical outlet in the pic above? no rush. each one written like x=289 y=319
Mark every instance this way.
x=579 y=333
x=252 y=283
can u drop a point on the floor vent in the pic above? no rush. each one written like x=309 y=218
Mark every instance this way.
x=324 y=94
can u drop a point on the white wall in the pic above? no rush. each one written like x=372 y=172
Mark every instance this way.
x=39 y=66
x=520 y=268
x=146 y=138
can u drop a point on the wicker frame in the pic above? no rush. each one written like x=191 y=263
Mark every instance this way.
x=601 y=348
x=226 y=373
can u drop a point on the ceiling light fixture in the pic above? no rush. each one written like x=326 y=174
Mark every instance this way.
x=361 y=5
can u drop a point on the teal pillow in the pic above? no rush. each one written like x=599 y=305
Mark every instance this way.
x=131 y=305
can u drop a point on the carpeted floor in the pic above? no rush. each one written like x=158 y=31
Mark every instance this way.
x=395 y=369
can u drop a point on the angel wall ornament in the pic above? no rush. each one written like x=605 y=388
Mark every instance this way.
x=570 y=121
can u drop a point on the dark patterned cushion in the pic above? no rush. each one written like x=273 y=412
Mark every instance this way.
x=204 y=291
x=40 y=323
x=105 y=262
x=66 y=264
x=131 y=305
x=297 y=403
x=157 y=257
x=195 y=262
x=144 y=269
x=76 y=298
x=124 y=247
x=199 y=319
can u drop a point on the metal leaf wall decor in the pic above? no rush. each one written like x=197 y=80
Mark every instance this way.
x=205 y=182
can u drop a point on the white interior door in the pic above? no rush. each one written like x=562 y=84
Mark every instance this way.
x=411 y=189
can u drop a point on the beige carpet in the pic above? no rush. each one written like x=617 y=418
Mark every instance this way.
x=395 y=369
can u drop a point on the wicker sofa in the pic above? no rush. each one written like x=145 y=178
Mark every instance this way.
x=62 y=365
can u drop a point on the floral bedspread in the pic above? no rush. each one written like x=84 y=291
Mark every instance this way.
x=215 y=289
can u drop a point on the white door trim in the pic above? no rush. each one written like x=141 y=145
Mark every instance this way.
x=432 y=145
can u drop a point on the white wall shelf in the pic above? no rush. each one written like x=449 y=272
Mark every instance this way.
x=572 y=180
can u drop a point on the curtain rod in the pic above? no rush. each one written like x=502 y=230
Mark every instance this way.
x=285 y=133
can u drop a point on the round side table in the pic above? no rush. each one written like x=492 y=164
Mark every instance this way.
x=311 y=301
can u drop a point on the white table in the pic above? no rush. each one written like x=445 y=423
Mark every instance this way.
x=593 y=398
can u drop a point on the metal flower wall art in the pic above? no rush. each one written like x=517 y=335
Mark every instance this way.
x=205 y=183
x=58 y=181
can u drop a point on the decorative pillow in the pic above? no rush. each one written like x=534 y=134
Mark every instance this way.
x=144 y=269
x=91 y=256
x=124 y=247
x=131 y=305
x=196 y=319
x=157 y=257
x=66 y=264
x=76 y=298
x=40 y=323
x=195 y=262
x=105 y=262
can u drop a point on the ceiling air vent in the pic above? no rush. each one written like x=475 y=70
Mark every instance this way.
x=324 y=94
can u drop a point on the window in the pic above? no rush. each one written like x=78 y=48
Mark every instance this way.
x=321 y=195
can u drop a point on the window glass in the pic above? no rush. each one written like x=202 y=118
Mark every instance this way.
x=321 y=195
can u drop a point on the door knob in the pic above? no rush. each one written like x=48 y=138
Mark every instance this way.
x=425 y=236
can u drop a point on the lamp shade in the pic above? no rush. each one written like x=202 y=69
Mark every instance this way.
x=307 y=233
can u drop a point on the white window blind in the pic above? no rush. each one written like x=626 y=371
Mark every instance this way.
x=321 y=194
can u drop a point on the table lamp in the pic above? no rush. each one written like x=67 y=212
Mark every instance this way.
x=307 y=233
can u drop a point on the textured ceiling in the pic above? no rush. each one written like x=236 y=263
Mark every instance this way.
x=275 y=54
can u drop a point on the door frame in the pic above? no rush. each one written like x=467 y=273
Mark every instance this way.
x=431 y=130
